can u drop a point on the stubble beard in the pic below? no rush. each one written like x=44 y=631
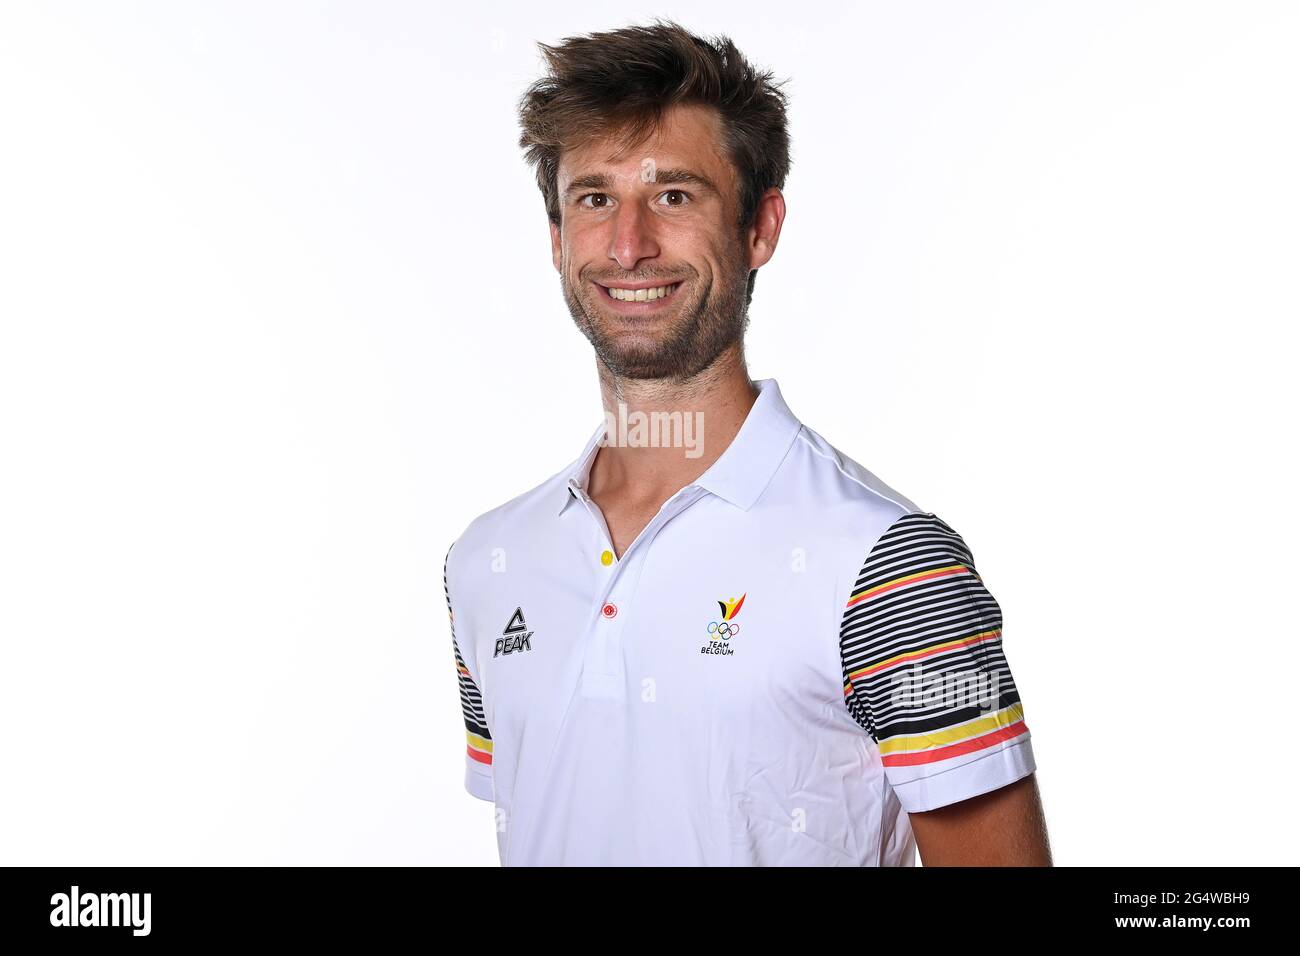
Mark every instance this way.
x=703 y=331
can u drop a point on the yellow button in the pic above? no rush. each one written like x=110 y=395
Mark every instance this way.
x=607 y=558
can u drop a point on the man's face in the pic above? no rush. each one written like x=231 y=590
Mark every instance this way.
x=653 y=266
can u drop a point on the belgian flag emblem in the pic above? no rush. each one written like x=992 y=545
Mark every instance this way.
x=730 y=608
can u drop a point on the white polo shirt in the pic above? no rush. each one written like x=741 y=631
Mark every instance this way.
x=789 y=659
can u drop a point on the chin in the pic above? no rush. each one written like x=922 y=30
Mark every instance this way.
x=647 y=362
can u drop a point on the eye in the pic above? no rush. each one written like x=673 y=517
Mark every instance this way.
x=603 y=204
x=676 y=197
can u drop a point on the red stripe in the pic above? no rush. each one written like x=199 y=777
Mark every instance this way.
x=739 y=605
x=479 y=755
x=956 y=750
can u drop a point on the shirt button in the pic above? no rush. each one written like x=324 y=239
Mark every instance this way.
x=609 y=610
x=607 y=558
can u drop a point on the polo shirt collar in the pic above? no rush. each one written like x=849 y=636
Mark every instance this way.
x=580 y=470
x=742 y=471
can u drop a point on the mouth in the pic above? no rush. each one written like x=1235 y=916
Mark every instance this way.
x=637 y=298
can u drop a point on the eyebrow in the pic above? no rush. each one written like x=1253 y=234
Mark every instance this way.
x=589 y=181
x=674 y=177
x=685 y=177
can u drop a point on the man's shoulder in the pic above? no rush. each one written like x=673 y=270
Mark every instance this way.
x=518 y=518
x=839 y=479
x=870 y=528
x=881 y=521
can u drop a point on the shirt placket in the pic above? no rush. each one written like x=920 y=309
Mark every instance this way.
x=603 y=670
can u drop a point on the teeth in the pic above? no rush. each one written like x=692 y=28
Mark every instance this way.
x=641 y=295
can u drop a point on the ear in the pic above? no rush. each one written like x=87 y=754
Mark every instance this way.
x=556 y=257
x=766 y=230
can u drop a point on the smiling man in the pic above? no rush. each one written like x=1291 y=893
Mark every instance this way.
x=712 y=638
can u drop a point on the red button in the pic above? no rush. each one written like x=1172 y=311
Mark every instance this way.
x=609 y=610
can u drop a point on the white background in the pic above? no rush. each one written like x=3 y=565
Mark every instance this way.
x=278 y=318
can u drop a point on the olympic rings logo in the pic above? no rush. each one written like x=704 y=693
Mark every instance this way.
x=725 y=630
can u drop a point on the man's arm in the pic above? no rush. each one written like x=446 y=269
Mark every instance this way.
x=926 y=676
x=1004 y=827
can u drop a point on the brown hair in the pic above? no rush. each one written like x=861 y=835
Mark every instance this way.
x=625 y=79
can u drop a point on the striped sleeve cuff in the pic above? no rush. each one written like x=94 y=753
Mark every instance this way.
x=983 y=772
x=478 y=778
x=478 y=742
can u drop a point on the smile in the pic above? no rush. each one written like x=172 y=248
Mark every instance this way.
x=624 y=294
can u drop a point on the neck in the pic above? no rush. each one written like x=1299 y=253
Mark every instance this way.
x=663 y=434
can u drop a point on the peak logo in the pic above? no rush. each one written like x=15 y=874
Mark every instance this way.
x=516 y=637
x=101 y=909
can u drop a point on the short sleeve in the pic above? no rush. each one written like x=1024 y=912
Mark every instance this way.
x=478 y=747
x=924 y=670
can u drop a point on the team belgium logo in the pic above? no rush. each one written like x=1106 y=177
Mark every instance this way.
x=721 y=632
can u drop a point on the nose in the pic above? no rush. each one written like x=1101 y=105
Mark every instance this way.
x=633 y=238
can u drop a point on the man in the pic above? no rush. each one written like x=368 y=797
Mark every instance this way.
x=713 y=639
